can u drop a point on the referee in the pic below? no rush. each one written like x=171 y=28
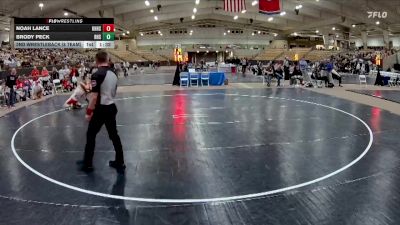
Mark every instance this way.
x=102 y=110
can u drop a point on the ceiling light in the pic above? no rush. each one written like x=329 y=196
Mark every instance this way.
x=353 y=25
x=229 y=31
x=194 y=10
x=243 y=11
x=299 y=6
x=275 y=34
x=161 y=34
x=317 y=0
x=295 y=34
x=207 y=51
x=252 y=34
x=317 y=31
x=127 y=32
x=193 y=17
x=190 y=34
x=337 y=35
x=259 y=32
x=191 y=31
x=7 y=29
x=198 y=51
x=123 y=34
x=147 y=3
x=282 y=13
x=141 y=34
x=377 y=22
x=197 y=2
x=253 y=3
x=155 y=17
x=224 y=33
x=235 y=17
x=41 y=5
x=151 y=10
x=65 y=13
x=217 y=51
x=226 y=51
x=270 y=19
x=333 y=28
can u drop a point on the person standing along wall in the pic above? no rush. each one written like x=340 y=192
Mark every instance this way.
x=11 y=81
x=303 y=68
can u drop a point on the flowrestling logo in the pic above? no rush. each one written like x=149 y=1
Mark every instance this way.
x=376 y=14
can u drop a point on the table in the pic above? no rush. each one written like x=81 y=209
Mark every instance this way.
x=227 y=68
x=216 y=78
x=387 y=75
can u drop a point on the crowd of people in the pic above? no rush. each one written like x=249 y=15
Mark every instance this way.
x=308 y=73
x=299 y=73
x=62 y=68
x=27 y=58
x=39 y=82
x=33 y=73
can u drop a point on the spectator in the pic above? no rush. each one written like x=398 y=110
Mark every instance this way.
x=278 y=73
x=35 y=74
x=54 y=74
x=303 y=68
x=268 y=74
x=296 y=75
x=11 y=81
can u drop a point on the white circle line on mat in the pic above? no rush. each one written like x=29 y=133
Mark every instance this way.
x=197 y=200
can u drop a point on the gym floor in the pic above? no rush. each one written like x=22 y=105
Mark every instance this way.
x=229 y=156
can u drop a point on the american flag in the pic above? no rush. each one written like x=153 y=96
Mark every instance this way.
x=235 y=5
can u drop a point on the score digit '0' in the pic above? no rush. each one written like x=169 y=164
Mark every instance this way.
x=108 y=27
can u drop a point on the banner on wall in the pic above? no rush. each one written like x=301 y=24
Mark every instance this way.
x=269 y=6
x=178 y=56
x=378 y=59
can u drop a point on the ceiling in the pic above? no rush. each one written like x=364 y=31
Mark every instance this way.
x=135 y=16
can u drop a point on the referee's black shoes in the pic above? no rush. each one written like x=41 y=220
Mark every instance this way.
x=84 y=167
x=120 y=167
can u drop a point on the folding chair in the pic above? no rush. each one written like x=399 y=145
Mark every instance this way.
x=57 y=85
x=363 y=80
x=392 y=81
x=194 y=77
x=184 y=78
x=205 y=77
x=2 y=96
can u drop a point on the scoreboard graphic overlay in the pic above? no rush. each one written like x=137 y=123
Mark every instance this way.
x=64 y=32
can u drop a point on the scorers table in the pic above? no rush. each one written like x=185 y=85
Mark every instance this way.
x=64 y=32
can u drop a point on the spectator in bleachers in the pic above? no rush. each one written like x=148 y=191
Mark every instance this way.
x=54 y=74
x=35 y=74
x=44 y=72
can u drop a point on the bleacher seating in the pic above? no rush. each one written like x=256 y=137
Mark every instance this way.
x=149 y=55
x=269 y=54
x=126 y=55
x=92 y=53
x=317 y=55
x=291 y=53
x=245 y=53
x=166 y=54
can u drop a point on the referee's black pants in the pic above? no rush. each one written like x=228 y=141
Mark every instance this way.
x=103 y=114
